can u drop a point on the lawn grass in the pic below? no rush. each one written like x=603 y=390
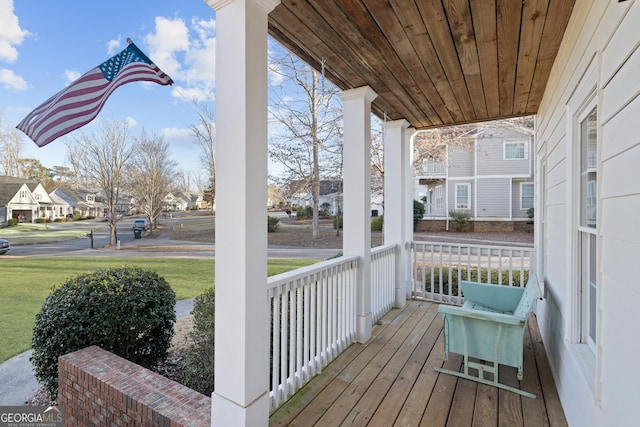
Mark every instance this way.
x=25 y=283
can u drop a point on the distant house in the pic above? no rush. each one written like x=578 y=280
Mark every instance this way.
x=490 y=177
x=86 y=202
x=330 y=192
x=17 y=200
x=177 y=201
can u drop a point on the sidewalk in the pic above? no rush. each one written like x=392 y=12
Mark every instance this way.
x=18 y=381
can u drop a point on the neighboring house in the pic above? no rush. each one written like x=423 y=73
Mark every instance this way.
x=88 y=203
x=490 y=176
x=46 y=206
x=178 y=201
x=330 y=192
x=17 y=199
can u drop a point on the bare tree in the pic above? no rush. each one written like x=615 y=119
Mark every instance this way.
x=109 y=151
x=204 y=133
x=307 y=114
x=151 y=175
x=76 y=153
x=11 y=144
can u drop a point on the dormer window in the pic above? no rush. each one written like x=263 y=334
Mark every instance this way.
x=91 y=198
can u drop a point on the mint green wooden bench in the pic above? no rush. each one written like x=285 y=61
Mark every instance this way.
x=489 y=326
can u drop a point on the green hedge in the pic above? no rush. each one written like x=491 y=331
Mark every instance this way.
x=463 y=273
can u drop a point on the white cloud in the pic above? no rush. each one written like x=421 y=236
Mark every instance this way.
x=11 y=35
x=170 y=38
x=71 y=75
x=131 y=122
x=10 y=81
x=189 y=94
x=114 y=45
x=187 y=54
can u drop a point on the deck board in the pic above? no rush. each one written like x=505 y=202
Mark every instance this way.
x=390 y=381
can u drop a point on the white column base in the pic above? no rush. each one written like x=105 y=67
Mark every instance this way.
x=408 y=285
x=401 y=297
x=224 y=412
x=363 y=325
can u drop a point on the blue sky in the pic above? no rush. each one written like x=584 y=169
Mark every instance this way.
x=44 y=45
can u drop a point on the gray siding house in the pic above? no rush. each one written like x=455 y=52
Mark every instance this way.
x=489 y=175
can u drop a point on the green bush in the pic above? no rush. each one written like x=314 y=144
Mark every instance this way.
x=196 y=368
x=273 y=224
x=323 y=210
x=376 y=223
x=460 y=221
x=12 y=222
x=418 y=212
x=303 y=213
x=470 y=275
x=337 y=222
x=127 y=311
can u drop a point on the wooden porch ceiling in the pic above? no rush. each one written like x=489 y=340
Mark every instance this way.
x=432 y=62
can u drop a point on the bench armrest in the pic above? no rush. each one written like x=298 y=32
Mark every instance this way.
x=481 y=315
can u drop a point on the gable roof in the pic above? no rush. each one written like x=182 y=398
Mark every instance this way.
x=9 y=187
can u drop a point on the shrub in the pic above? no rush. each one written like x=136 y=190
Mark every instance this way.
x=376 y=223
x=463 y=273
x=12 y=222
x=337 y=222
x=324 y=209
x=127 y=311
x=196 y=368
x=273 y=224
x=303 y=213
x=418 y=212
x=460 y=221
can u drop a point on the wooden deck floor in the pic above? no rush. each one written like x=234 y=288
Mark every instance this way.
x=390 y=381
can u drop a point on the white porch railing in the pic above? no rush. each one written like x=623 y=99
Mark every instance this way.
x=439 y=267
x=383 y=271
x=313 y=319
x=313 y=316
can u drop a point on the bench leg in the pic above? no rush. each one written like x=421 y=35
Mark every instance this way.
x=481 y=368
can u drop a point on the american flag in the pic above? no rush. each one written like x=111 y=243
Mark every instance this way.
x=81 y=101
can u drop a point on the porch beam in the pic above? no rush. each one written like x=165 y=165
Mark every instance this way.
x=242 y=319
x=357 y=197
x=396 y=205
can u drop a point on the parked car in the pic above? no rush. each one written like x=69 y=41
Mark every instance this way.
x=4 y=246
x=140 y=224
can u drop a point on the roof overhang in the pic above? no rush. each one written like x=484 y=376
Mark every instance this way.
x=432 y=62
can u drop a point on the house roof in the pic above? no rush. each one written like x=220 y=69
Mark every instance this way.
x=433 y=62
x=10 y=185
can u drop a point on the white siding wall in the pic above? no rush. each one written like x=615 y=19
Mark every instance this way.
x=599 y=51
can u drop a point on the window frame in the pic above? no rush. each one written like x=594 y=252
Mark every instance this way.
x=525 y=151
x=533 y=195
x=468 y=196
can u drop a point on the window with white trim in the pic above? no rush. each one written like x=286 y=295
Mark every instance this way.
x=463 y=196
x=515 y=150
x=526 y=195
x=587 y=243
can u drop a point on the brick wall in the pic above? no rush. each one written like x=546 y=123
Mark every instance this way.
x=98 y=388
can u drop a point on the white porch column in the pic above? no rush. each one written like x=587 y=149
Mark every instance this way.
x=396 y=205
x=357 y=197
x=408 y=214
x=242 y=318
